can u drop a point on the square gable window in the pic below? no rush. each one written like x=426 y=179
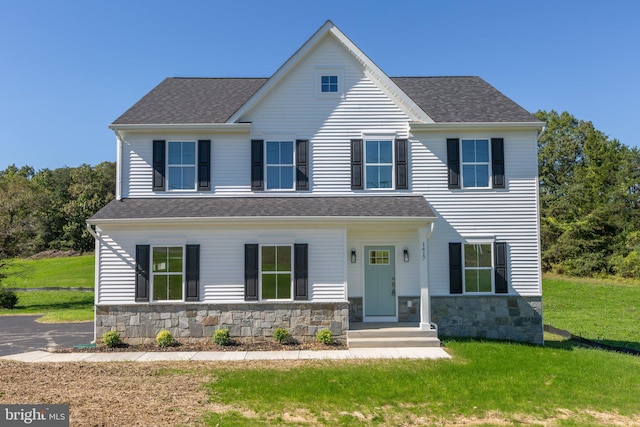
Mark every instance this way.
x=329 y=83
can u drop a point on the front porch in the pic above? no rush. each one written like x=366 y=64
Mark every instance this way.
x=390 y=334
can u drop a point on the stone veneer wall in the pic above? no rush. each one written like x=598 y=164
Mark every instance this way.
x=139 y=323
x=515 y=318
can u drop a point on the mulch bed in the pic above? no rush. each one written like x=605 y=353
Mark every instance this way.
x=207 y=346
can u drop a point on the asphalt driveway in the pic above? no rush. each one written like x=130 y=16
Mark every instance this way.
x=20 y=334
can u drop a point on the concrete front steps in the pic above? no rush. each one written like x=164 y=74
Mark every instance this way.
x=386 y=335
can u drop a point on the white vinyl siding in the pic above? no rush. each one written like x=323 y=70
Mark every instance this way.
x=509 y=216
x=221 y=257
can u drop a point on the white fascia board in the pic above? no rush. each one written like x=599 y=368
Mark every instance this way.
x=404 y=102
x=262 y=220
x=282 y=71
x=471 y=126
x=183 y=127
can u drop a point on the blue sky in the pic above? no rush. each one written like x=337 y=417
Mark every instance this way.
x=69 y=68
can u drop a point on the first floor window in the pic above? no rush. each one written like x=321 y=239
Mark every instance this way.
x=379 y=164
x=182 y=165
x=276 y=272
x=475 y=163
x=167 y=272
x=280 y=166
x=478 y=268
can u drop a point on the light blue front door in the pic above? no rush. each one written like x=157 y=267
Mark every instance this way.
x=379 y=281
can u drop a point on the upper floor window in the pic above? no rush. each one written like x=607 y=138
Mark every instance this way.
x=181 y=165
x=475 y=163
x=379 y=164
x=329 y=83
x=280 y=165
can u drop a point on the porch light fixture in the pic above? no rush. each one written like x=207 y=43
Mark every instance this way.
x=405 y=253
x=353 y=256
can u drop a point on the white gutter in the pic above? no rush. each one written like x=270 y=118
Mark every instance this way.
x=216 y=127
x=119 y=140
x=446 y=126
x=258 y=219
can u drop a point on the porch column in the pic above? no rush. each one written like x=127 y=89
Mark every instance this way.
x=425 y=301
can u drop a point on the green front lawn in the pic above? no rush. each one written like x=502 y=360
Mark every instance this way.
x=55 y=306
x=485 y=381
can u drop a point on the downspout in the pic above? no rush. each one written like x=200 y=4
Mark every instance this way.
x=119 y=140
x=96 y=279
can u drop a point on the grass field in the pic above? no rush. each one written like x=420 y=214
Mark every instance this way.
x=75 y=272
x=594 y=309
x=55 y=306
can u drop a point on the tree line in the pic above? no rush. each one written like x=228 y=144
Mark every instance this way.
x=47 y=209
x=589 y=202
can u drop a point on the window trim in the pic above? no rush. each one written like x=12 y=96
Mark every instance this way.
x=293 y=165
x=291 y=271
x=492 y=268
x=321 y=72
x=488 y=164
x=366 y=164
x=195 y=168
x=152 y=274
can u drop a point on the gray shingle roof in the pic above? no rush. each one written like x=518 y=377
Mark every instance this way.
x=191 y=100
x=214 y=100
x=462 y=99
x=234 y=207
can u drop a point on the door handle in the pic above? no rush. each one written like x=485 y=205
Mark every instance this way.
x=393 y=286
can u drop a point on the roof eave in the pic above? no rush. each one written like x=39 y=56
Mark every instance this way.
x=262 y=219
x=471 y=126
x=182 y=127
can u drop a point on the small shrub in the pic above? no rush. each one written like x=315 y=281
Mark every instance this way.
x=111 y=339
x=8 y=299
x=281 y=335
x=164 y=339
x=324 y=336
x=221 y=337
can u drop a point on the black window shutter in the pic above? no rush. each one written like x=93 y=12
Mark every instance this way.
x=497 y=162
x=204 y=165
x=402 y=170
x=257 y=162
x=453 y=162
x=193 y=273
x=356 y=164
x=251 y=258
x=158 y=165
x=500 y=255
x=302 y=164
x=143 y=253
x=301 y=273
x=455 y=268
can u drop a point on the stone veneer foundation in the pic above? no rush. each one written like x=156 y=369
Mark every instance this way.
x=511 y=317
x=506 y=317
x=139 y=323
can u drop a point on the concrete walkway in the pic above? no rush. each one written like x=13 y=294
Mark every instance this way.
x=355 y=353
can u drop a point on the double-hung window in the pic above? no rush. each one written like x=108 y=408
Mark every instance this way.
x=181 y=165
x=475 y=163
x=280 y=165
x=167 y=273
x=276 y=272
x=478 y=268
x=379 y=164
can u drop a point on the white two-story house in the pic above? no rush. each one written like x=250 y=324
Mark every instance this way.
x=327 y=194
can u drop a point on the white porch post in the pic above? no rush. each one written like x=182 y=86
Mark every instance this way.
x=425 y=301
